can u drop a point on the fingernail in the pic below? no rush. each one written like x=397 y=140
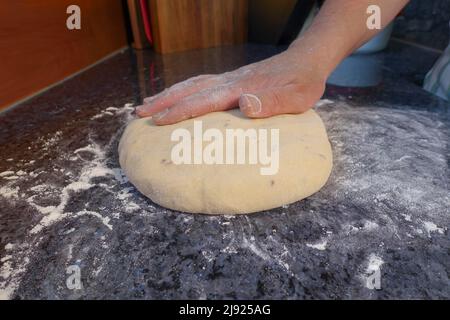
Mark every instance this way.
x=250 y=103
x=161 y=114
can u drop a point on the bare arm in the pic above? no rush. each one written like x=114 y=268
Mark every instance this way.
x=341 y=27
x=290 y=82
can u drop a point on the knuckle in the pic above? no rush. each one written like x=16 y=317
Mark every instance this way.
x=276 y=99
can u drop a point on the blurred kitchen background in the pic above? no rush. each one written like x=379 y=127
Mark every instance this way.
x=37 y=50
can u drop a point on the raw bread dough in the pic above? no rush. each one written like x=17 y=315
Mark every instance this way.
x=305 y=162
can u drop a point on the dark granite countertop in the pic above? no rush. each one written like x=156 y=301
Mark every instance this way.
x=384 y=211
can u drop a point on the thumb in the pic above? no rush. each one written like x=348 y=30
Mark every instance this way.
x=278 y=100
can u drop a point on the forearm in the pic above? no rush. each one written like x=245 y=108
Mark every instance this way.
x=289 y=82
x=340 y=28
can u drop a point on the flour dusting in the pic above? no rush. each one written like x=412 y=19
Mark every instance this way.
x=51 y=201
x=9 y=193
x=90 y=170
x=432 y=227
x=6 y=173
x=322 y=245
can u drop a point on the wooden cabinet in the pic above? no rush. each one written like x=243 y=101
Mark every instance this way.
x=179 y=25
x=38 y=50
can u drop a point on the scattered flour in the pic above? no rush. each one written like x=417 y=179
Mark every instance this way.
x=9 y=193
x=124 y=193
x=39 y=188
x=407 y=217
x=69 y=252
x=111 y=111
x=94 y=149
x=6 y=173
x=323 y=102
x=104 y=220
x=322 y=245
x=9 y=246
x=432 y=227
x=131 y=206
x=91 y=169
x=253 y=248
x=266 y=255
x=48 y=142
x=370 y=225
x=116 y=215
x=11 y=177
x=97 y=116
x=10 y=275
x=403 y=158
x=209 y=255
x=70 y=231
x=14 y=264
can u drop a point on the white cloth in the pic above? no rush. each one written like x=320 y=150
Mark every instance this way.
x=437 y=80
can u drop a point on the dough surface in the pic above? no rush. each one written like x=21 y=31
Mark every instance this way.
x=305 y=161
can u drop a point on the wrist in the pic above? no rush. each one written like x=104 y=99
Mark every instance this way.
x=312 y=57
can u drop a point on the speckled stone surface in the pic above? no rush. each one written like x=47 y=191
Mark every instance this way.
x=65 y=202
x=425 y=22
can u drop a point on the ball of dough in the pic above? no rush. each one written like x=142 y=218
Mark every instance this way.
x=146 y=155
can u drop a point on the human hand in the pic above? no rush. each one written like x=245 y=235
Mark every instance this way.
x=289 y=82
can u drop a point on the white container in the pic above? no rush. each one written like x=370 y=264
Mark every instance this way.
x=358 y=71
x=377 y=43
